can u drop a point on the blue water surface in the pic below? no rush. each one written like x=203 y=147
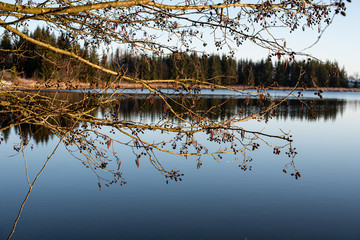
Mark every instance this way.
x=216 y=201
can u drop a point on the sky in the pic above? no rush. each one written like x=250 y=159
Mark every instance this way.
x=340 y=42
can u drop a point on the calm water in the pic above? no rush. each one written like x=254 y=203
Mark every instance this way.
x=216 y=201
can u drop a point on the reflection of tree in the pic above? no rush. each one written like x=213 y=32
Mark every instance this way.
x=141 y=107
x=150 y=110
x=136 y=116
x=326 y=109
x=184 y=119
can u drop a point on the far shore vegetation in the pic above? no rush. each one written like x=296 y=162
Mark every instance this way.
x=27 y=60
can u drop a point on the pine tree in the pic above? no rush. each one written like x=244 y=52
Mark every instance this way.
x=204 y=66
x=268 y=73
x=6 y=56
x=229 y=70
x=240 y=72
x=251 y=77
x=280 y=74
x=215 y=69
x=323 y=76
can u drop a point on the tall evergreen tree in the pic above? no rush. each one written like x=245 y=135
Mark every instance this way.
x=280 y=74
x=6 y=57
x=215 y=69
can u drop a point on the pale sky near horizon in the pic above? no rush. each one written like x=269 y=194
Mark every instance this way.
x=340 y=42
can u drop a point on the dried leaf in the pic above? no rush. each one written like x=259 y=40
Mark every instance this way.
x=108 y=143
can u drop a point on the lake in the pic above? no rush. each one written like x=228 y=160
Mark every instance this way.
x=213 y=200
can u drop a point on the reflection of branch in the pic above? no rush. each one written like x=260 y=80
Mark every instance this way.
x=23 y=153
x=31 y=187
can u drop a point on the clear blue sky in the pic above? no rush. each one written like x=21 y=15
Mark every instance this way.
x=340 y=41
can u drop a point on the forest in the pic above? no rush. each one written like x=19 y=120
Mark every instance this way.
x=28 y=60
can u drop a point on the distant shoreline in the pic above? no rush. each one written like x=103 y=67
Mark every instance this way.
x=28 y=84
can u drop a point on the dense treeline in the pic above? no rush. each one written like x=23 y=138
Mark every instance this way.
x=32 y=61
x=310 y=73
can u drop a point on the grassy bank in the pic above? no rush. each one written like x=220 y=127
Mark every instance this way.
x=10 y=82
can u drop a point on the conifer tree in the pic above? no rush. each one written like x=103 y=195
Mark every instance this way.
x=250 y=77
x=6 y=57
x=215 y=69
x=280 y=74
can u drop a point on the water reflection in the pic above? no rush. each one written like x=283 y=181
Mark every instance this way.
x=311 y=110
x=146 y=109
